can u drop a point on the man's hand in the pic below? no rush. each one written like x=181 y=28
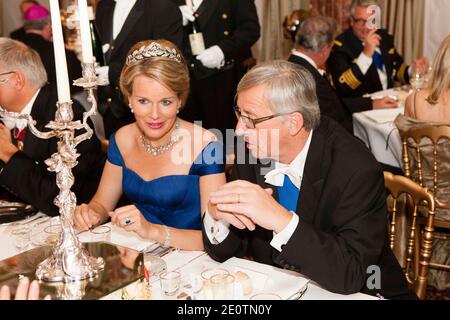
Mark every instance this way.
x=385 y=103
x=371 y=43
x=239 y=221
x=212 y=58
x=188 y=14
x=7 y=148
x=253 y=202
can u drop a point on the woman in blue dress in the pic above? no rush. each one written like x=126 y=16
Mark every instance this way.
x=166 y=166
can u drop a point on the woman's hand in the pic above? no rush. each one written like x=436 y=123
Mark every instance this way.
x=25 y=291
x=85 y=218
x=131 y=219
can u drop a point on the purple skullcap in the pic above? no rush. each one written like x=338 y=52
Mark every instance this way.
x=36 y=12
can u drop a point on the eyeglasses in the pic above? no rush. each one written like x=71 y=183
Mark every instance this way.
x=359 y=21
x=251 y=123
x=4 y=74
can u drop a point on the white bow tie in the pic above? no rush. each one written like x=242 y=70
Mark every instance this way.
x=13 y=123
x=276 y=177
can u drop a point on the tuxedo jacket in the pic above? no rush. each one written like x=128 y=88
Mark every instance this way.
x=348 y=78
x=45 y=50
x=233 y=25
x=25 y=175
x=148 y=20
x=343 y=220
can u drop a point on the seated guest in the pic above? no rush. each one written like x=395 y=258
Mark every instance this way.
x=23 y=173
x=312 y=48
x=322 y=210
x=25 y=291
x=424 y=108
x=168 y=186
x=39 y=37
x=19 y=34
x=364 y=59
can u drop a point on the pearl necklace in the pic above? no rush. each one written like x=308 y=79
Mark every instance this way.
x=162 y=148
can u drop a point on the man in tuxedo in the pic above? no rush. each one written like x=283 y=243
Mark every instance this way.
x=230 y=28
x=313 y=45
x=23 y=173
x=20 y=33
x=364 y=59
x=38 y=36
x=121 y=24
x=318 y=207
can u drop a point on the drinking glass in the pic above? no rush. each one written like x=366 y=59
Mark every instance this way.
x=170 y=283
x=153 y=265
x=21 y=237
x=222 y=286
x=206 y=277
x=102 y=233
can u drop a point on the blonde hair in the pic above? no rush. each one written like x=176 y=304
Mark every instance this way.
x=172 y=74
x=440 y=75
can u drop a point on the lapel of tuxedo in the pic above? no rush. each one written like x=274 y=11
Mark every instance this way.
x=312 y=181
x=205 y=11
x=135 y=14
x=39 y=113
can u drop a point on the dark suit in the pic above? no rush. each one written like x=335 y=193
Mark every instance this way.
x=347 y=76
x=46 y=52
x=343 y=219
x=148 y=20
x=25 y=175
x=233 y=26
x=18 y=34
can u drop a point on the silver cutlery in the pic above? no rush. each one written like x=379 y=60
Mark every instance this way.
x=299 y=294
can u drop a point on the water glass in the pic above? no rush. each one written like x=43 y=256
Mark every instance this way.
x=102 y=233
x=206 y=275
x=170 y=283
x=21 y=237
x=265 y=296
x=222 y=286
x=153 y=265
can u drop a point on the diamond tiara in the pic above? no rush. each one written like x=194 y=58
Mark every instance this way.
x=153 y=50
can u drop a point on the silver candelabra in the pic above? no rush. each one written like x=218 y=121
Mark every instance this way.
x=69 y=260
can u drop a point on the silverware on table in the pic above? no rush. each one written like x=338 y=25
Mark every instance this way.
x=299 y=294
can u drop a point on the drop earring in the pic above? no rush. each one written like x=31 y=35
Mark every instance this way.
x=131 y=108
x=178 y=111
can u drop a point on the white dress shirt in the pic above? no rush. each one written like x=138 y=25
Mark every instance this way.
x=217 y=231
x=21 y=123
x=311 y=61
x=364 y=63
x=196 y=4
x=121 y=12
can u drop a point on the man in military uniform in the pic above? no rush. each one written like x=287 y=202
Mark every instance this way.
x=230 y=28
x=364 y=59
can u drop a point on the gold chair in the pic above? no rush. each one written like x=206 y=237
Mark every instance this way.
x=418 y=249
x=435 y=134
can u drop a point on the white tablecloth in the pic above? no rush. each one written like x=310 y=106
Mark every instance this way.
x=188 y=262
x=376 y=128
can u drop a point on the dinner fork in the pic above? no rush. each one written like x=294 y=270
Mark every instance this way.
x=299 y=294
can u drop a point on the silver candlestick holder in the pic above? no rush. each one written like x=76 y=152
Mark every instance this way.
x=69 y=260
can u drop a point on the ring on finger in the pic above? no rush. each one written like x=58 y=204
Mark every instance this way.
x=127 y=221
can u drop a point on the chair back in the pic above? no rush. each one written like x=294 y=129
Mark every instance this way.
x=419 y=247
x=435 y=134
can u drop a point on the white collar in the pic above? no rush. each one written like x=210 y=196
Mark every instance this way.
x=310 y=61
x=21 y=123
x=294 y=170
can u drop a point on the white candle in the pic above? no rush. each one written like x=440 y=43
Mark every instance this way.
x=86 y=40
x=62 y=77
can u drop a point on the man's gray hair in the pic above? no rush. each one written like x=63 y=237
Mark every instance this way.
x=36 y=24
x=290 y=88
x=362 y=3
x=315 y=33
x=15 y=55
